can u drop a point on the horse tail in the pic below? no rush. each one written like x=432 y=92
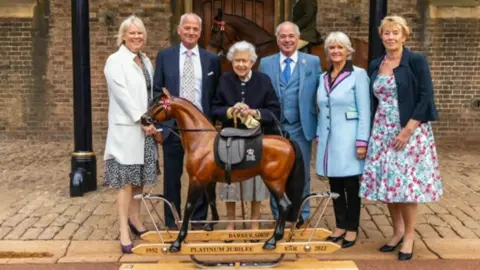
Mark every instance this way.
x=296 y=183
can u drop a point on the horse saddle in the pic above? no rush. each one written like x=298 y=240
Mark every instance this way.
x=238 y=149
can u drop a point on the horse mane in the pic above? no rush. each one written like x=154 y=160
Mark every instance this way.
x=247 y=24
x=188 y=102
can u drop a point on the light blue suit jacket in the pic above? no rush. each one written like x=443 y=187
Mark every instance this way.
x=309 y=71
x=344 y=121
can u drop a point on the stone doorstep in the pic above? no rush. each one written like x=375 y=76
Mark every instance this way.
x=109 y=251
x=455 y=248
x=57 y=248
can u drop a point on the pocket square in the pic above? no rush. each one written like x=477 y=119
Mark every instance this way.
x=210 y=73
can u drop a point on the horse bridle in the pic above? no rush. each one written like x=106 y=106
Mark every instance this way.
x=165 y=104
x=223 y=33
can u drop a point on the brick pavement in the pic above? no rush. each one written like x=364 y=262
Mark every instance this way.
x=35 y=203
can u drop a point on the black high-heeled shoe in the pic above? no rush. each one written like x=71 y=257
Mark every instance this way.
x=387 y=248
x=406 y=256
x=347 y=243
x=336 y=238
x=134 y=230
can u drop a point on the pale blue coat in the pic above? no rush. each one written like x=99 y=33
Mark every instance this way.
x=343 y=122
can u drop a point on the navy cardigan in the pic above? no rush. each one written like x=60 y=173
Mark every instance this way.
x=414 y=87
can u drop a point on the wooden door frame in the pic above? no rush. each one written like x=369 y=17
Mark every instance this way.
x=279 y=15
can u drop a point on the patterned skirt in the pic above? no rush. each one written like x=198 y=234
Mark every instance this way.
x=410 y=175
x=253 y=190
x=117 y=175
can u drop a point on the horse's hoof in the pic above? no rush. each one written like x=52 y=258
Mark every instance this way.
x=270 y=245
x=174 y=248
x=208 y=227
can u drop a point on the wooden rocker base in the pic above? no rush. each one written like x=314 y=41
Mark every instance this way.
x=238 y=248
x=303 y=264
x=221 y=235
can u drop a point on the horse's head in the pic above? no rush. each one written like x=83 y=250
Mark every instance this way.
x=159 y=110
x=222 y=36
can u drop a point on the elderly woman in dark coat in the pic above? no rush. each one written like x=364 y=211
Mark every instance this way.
x=250 y=95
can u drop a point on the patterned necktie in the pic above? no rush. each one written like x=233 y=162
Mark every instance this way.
x=287 y=71
x=188 y=91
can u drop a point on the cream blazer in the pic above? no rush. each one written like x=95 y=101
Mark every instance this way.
x=128 y=101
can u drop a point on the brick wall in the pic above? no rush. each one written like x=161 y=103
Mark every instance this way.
x=36 y=85
x=57 y=106
x=15 y=74
x=451 y=45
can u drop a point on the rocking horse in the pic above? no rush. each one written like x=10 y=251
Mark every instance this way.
x=281 y=164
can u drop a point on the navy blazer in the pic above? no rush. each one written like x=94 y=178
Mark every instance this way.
x=167 y=74
x=414 y=87
x=258 y=93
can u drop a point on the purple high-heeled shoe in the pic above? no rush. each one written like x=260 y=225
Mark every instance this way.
x=134 y=230
x=126 y=249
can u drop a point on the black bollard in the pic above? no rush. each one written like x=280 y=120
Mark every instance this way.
x=378 y=10
x=83 y=177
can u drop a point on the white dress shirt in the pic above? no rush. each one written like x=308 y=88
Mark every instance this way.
x=197 y=66
x=294 y=58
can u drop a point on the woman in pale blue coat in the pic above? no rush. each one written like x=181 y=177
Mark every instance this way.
x=343 y=99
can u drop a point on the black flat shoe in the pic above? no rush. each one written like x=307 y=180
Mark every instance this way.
x=347 y=244
x=387 y=248
x=335 y=238
x=405 y=256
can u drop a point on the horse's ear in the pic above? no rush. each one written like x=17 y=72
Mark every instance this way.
x=165 y=91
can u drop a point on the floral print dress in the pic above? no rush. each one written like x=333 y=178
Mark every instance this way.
x=409 y=175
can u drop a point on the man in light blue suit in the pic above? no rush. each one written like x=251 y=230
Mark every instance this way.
x=295 y=76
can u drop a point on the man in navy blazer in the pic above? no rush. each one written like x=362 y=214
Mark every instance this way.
x=172 y=73
x=295 y=77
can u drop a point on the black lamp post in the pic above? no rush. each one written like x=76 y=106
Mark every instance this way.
x=378 y=10
x=83 y=177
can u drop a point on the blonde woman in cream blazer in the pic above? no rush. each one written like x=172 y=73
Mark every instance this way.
x=130 y=151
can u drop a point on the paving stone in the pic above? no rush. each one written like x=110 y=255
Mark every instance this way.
x=20 y=229
x=14 y=220
x=436 y=221
x=381 y=220
x=28 y=209
x=61 y=220
x=82 y=233
x=387 y=230
x=437 y=209
x=72 y=210
x=81 y=217
x=374 y=210
x=112 y=234
x=92 y=221
x=458 y=227
x=371 y=230
x=60 y=208
x=31 y=234
x=454 y=248
x=45 y=220
x=56 y=248
x=42 y=211
x=4 y=231
x=364 y=215
x=92 y=251
x=49 y=233
x=97 y=234
x=469 y=211
x=426 y=231
x=460 y=215
x=446 y=232
x=423 y=209
x=106 y=222
x=67 y=232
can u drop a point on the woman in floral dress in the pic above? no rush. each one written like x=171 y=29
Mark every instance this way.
x=401 y=168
